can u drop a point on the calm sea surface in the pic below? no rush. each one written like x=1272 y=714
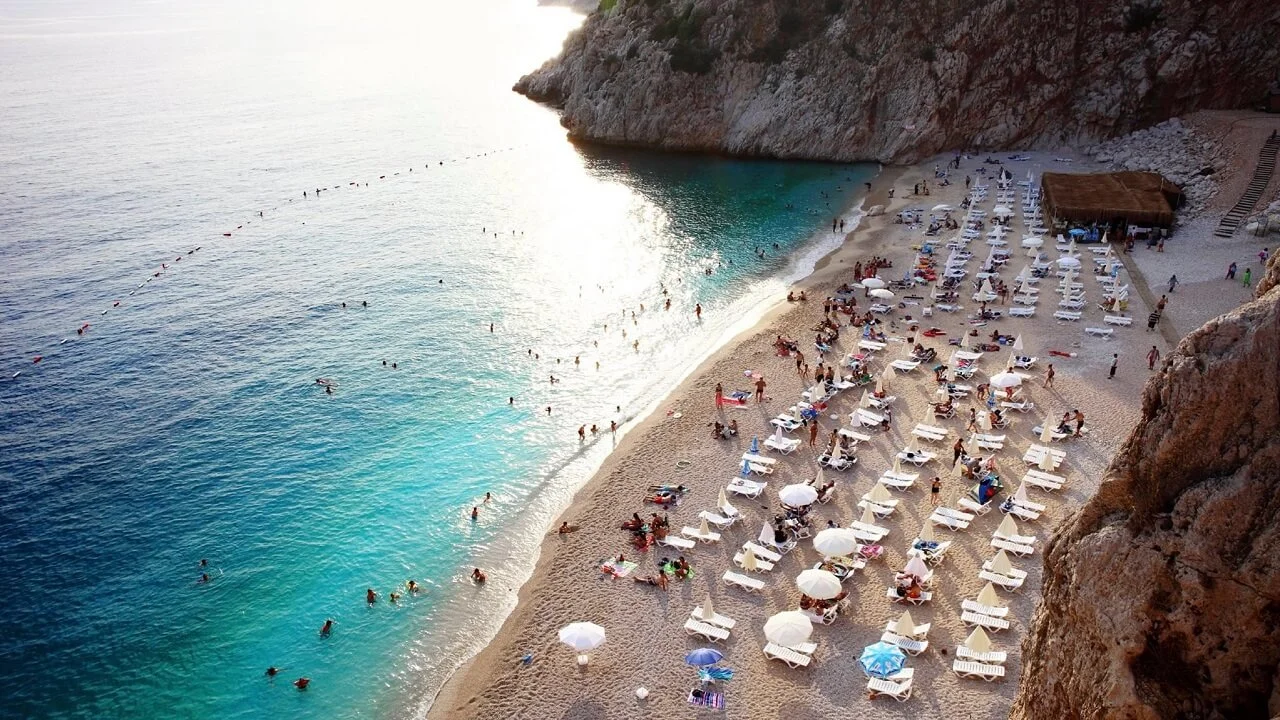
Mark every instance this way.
x=185 y=423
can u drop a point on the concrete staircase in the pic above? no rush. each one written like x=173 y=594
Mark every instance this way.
x=1261 y=178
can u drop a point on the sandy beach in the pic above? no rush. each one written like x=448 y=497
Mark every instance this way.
x=646 y=638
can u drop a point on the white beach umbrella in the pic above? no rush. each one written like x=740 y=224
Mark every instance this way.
x=777 y=433
x=837 y=454
x=964 y=340
x=1046 y=462
x=926 y=532
x=986 y=288
x=1008 y=527
x=951 y=373
x=882 y=294
x=916 y=566
x=708 y=610
x=819 y=584
x=835 y=542
x=880 y=385
x=1006 y=380
x=582 y=636
x=1021 y=493
x=879 y=492
x=1068 y=262
x=820 y=479
x=1071 y=249
x=989 y=597
x=749 y=562
x=868 y=518
x=984 y=420
x=971 y=447
x=978 y=641
x=1046 y=433
x=722 y=500
x=798 y=495
x=788 y=628
x=862 y=401
x=703 y=528
x=874 y=283
x=1017 y=343
x=942 y=208
x=897 y=464
x=1000 y=563
x=1001 y=211
x=906 y=625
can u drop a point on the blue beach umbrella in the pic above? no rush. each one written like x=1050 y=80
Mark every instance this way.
x=703 y=656
x=746 y=469
x=755 y=445
x=1077 y=231
x=881 y=660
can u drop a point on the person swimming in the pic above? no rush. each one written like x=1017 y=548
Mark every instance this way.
x=302 y=683
x=477 y=575
x=272 y=671
x=412 y=586
x=326 y=628
x=475 y=513
x=370 y=596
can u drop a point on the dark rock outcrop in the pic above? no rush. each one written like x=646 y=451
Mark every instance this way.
x=899 y=81
x=1162 y=595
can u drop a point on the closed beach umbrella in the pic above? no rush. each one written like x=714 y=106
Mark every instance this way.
x=835 y=542
x=882 y=294
x=1046 y=433
x=915 y=566
x=881 y=659
x=879 y=493
x=906 y=625
x=964 y=340
x=749 y=560
x=988 y=596
x=777 y=433
x=951 y=373
x=1071 y=249
x=986 y=287
x=703 y=528
x=703 y=657
x=1021 y=494
x=755 y=445
x=820 y=479
x=708 y=610
x=978 y=641
x=874 y=283
x=1000 y=563
x=862 y=401
x=722 y=500
x=1046 y=462
x=746 y=468
x=880 y=385
x=897 y=465
x=971 y=446
x=788 y=628
x=837 y=454
x=1008 y=527
x=984 y=420
x=1006 y=380
x=582 y=636
x=867 y=517
x=798 y=495
x=819 y=584
x=942 y=208
x=926 y=532
x=1017 y=343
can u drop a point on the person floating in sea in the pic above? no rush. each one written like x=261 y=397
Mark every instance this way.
x=488 y=497
x=412 y=587
x=326 y=628
x=370 y=596
x=204 y=578
x=393 y=597
x=478 y=576
x=475 y=513
x=302 y=683
x=272 y=671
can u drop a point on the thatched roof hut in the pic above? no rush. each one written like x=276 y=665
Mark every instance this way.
x=1132 y=198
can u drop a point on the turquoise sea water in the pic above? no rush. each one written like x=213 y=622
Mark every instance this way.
x=185 y=423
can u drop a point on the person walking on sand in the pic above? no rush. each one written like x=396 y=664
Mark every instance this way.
x=1164 y=300
x=973 y=421
x=1115 y=360
x=697 y=310
x=1153 y=357
x=719 y=394
x=958 y=450
x=813 y=434
x=1048 y=376
x=935 y=491
x=582 y=433
x=1231 y=271
x=1173 y=283
x=1263 y=254
x=1248 y=273
x=760 y=386
x=1152 y=320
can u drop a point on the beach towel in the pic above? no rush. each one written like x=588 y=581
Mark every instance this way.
x=707 y=699
x=711 y=674
x=618 y=569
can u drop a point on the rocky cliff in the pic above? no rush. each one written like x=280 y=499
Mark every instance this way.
x=1162 y=595
x=899 y=81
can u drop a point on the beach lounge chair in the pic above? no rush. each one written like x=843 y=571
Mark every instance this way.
x=1117 y=320
x=1067 y=315
x=989 y=442
x=862 y=416
x=905 y=366
x=1013 y=571
x=766 y=540
x=749 y=584
x=966 y=668
x=919 y=632
x=697 y=534
x=854 y=437
x=925 y=596
x=868 y=533
x=994 y=657
x=716 y=619
x=968 y=356
x=880 y=510
x=745 y=487
x=1019 y=511
x=677 y=542
x=1043 y=479
x=973 y=507
x=1024 y=406
x=1025 y=363
x=1020 y=549
x=881 y=403
x=705 y=630
x=986 y=622
x=783 y=445
x=931 y=433
x=918 y=457
x=844 y=463
x=717 y=519
x=880 y=308
x=898 y=481
x=760 y=469
x=762 y=552
x=933 y=556
x=948 y=307
x=1023 y=312
x=762 y=565
x=793 y=658
x=700 y=697
x=1025 y=299
x=989 y=610
x=900 y=691
x=786 y=422
x=1099 y=332
x=949 y=522
x=1022 y=539
x=908 y=645
x=1071 y=304
x=1004 y=581
x=759 y=459
x=870 y=345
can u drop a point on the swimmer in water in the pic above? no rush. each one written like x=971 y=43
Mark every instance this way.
x=511 y=400
x=393 y=597
x=326 y=628
x=477 y=575
x=272 y=671
x=475 y=513
x=328 y=389
x=412 y=586
x=302 y=683
x=204 y=562
x=370 y=596
x=548 y=409
x=488 y=497
x=204 y=578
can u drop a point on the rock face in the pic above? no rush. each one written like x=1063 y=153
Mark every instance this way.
x=897 y=82
x=1162 y=595
x=1185 y=157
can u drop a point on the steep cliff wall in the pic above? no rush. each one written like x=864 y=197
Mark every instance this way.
x=1162 y=596
x=899 y=81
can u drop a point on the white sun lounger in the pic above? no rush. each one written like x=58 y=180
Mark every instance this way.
x=968 y=355
x=878 y=509
x=1067 y=315
x=1019 y=511
x=925 y=596
x=1041 y=482
x=717 y=519
x=705 y=630
x=1004 y=581
x=746 y=488
x=1026 y=299
x=1019 y=549
x=919 y=457
x=974 y=507
x=1045 y=477
x=949 y=307
x=1023 y=539
x=994 y=657
x=900 y=691
x=1024 y=312
x=761 y=459
x=907 y=645
x=988 y=610
x=786 y=422
x=984 y=621
x=677 y=542
x=716 y=619
x=762 y=565
x=749 y=584
x=759 y=468
x=880 y=308
x=871 y=345
x=937 y=555
x=947 y=521
x=919 y=632
x=1013 y=571
x=862 y=416
x=905 y=366
x=965 y=668
x=881 y=403
x=762 y=552
x=898 y=481
x=696 y=534
x=986 y=443
x=765 y=539
x=1026 y=364
x=1029 y=505
x=930 y=433
x=792 y=658
x=783 y=445
x=1099 y=331
x=1024 y=406
x=1117 y=320
x=854 y=437
x=874 y=530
